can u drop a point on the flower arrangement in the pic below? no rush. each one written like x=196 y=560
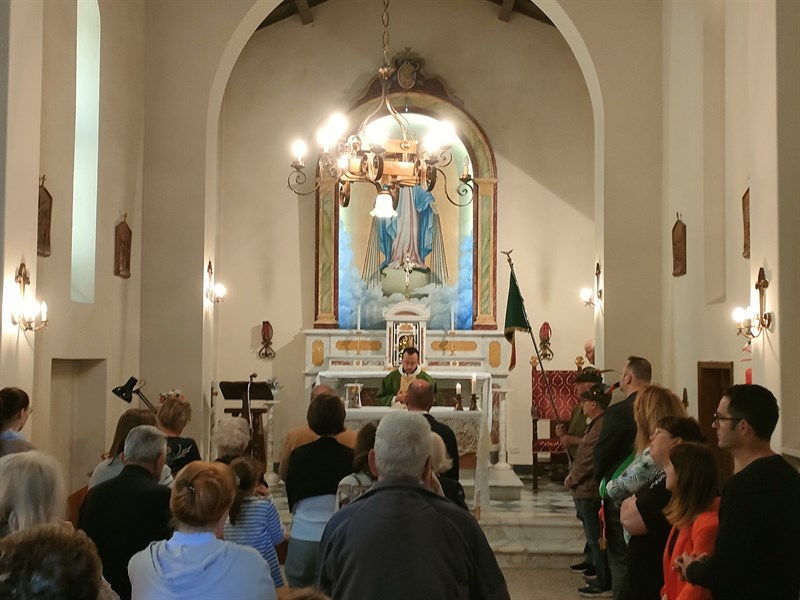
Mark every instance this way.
x=274 y=384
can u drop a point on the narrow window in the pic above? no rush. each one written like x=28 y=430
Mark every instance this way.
x=84 y=185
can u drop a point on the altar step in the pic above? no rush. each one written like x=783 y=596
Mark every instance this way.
x=503 y=484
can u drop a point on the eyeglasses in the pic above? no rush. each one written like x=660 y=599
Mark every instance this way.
x=717 y=418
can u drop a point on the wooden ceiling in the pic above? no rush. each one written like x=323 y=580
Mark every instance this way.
x=303 y=8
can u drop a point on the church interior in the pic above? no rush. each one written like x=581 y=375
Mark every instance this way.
x=647 y=151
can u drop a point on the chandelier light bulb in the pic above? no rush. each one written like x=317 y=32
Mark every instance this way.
x=337 y=124
x=299 y=149
x=343 y=162
x=383 y=206
x=376 y=133
x=326 y=137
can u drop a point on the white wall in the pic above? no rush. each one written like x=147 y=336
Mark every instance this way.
x=528 y=95
x=108 y=329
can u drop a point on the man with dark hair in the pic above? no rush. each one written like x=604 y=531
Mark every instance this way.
x=439 y=550
x=612 y=452
x=124 y=514
x=395 y=385
x=419 y=398
x=756 y=554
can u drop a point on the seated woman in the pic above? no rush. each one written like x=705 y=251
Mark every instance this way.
x=312 y=479
x=111 y=465
x=32 y=494
x=642 y=515
x=173 y=416
x=231 y=438
x=693 y=511
x=15 y=408
x=652 y=403
x=254 y=521
x=441 y=463
x=361 y=479
x=195 y=563
x=49 y=562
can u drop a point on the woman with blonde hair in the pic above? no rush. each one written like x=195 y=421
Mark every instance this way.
x=173 y=416
x=111 y=465
x=693 y=511
x=195 y=563
x=652 y=404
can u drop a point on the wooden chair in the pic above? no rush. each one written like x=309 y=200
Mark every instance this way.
x=549 y=452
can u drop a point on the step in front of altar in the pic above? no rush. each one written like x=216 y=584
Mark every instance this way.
x=503 y=485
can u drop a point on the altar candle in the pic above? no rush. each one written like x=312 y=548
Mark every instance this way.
x=358 y=317
x=458 y=389
x=472 y=387
x=452 y=318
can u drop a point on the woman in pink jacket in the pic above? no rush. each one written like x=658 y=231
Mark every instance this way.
x=693 y=512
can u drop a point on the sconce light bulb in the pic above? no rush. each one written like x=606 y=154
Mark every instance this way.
x=44 y=311
x=343 y=162
x=326 y=137
x=586 y=295
x=299 y=149
x=739 y=315
x=220 y=291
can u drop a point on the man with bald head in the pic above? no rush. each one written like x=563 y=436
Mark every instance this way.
x=299 y=436
x=419 y=398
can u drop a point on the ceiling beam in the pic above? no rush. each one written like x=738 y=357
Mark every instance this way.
x=304 y=10
x=505 y=10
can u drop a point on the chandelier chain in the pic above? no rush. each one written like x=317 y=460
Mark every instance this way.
x=385 y=20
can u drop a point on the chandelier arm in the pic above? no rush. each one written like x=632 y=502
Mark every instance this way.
x=461 y=191
x=299 y=178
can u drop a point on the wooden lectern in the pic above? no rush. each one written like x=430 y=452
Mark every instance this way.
x=259 y=390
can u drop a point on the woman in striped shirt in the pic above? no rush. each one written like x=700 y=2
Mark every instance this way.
x=254 y=521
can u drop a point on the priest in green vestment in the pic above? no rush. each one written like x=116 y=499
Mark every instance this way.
x=395 y=384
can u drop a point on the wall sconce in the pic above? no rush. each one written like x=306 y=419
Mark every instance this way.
x=750 y=322
x=214 y=292
x=593 y=297
x=27 y=309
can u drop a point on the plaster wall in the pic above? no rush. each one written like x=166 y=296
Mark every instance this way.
x=106 y=330
x=527 y=93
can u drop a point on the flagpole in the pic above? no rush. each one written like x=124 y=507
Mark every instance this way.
x=547 y=387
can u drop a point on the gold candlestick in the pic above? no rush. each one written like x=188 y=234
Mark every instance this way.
x=458 y=405
x=473 y=402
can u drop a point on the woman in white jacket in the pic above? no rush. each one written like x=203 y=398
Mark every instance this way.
x=195 y=563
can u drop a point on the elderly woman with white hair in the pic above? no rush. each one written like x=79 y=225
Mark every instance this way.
x=32 y=493
x=441 y=463
x=231 y=438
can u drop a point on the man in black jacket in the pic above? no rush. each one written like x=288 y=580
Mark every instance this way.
x=419 y=398
x=613 y=448
x=756 y=554
x=124 y=514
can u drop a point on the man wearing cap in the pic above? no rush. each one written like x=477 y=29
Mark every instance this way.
x=570 y=437
x=582 y=482
x=572 y=434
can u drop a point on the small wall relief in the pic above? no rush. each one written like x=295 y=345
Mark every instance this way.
x=122 y=249
x=679 y=248
x=45 y=218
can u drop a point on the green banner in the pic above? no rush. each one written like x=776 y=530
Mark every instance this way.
x=515 y=317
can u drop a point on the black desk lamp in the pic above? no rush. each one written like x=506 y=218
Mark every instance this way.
x=131 y=387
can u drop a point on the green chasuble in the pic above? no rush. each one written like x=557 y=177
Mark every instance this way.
x=391 y=385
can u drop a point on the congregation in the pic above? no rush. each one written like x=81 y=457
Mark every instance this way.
x=158 y=522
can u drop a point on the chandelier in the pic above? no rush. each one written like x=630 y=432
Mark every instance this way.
x=371 y=156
